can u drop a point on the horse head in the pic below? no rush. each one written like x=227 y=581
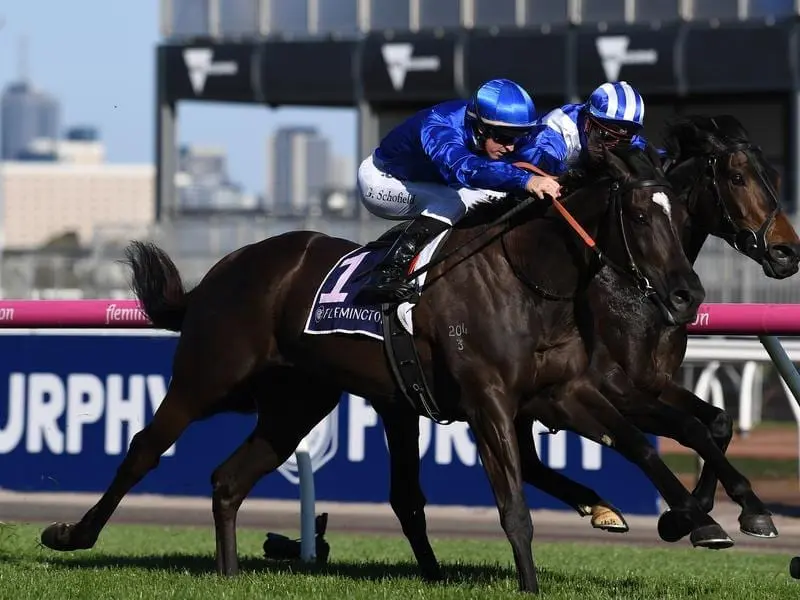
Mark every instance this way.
x=639 y=235
x=649 y=231
x=732 y=191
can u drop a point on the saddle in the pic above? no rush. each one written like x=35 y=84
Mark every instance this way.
x=398 y=343
x=399 y=347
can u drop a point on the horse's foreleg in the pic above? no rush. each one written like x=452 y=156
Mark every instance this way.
x=676 y=420
x=406 y=497
x=583 y=499
x=720 y=427
x=593 y=416
x=493 y=425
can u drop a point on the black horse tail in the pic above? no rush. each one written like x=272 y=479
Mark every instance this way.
x=157 y=284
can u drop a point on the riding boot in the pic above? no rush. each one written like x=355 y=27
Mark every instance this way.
x=386 y=282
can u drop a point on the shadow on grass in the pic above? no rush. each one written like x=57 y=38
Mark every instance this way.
x=205 y=565
x=453 y=573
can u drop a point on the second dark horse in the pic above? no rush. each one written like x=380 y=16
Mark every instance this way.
x=731 y=192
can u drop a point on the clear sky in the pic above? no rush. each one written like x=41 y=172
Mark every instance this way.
x=97 y=56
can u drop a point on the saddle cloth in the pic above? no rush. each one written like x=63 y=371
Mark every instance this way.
x=333 y=311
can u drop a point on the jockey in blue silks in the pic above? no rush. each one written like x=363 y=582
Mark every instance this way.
x=438 y=164
x=567 y=136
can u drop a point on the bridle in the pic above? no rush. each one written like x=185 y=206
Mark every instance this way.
x=752 y=244
x=631 y=270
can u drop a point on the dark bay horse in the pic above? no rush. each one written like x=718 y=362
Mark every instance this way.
x=730 y=191
x=242 y=334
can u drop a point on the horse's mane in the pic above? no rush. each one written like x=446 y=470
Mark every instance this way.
x=641 y=164
x=696 y=135
x=490 y=211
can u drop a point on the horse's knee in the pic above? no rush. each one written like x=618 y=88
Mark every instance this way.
x=718 y=431
x=721 y=427
x=404 y=503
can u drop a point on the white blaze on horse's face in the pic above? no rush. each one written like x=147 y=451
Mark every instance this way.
x=661 y=199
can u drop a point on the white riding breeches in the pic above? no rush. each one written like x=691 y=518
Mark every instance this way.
x=391 y=198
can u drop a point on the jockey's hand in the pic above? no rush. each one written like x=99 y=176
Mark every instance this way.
x=543 y=185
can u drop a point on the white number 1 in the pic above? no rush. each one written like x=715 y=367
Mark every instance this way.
x=336 y=295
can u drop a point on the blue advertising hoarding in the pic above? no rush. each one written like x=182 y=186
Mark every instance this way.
x=72 y=403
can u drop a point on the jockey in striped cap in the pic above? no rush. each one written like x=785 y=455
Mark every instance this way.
x=613 y=115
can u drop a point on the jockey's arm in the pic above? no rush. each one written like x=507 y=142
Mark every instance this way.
x=461 y=167
x=547 y=151
x=640 y=142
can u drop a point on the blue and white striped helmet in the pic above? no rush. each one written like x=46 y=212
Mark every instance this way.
x=617 y=101
x=501 y=105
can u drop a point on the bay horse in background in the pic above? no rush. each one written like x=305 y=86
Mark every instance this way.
x=730 y=191
x=242 y=336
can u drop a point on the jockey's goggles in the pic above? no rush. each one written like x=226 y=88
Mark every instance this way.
x=505 y=136
x=611 y=132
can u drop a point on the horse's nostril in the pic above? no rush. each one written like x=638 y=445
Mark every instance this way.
x=680 y=298
x=783 y=252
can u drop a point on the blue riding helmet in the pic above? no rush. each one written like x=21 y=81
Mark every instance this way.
x=500 y=109
x=619 y=103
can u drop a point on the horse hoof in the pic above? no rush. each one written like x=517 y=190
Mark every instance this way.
x=712 y=537
x=432 y=573
x=673 y=526
x=60 y=536
x=794 y=567
x=760 y=526
x=608 y=518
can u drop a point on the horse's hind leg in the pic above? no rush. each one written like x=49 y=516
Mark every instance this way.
x=172 y=417
x=289 y=406
x=584 y=500
x=202 y=378
x=406 y=496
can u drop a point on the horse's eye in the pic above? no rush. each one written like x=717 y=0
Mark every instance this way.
x=737 y=179
x=640 y=218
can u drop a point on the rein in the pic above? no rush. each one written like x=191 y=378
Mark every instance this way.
x=504 y=218
x=631 y=271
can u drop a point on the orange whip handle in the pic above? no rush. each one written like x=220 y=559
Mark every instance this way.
x=587 y=239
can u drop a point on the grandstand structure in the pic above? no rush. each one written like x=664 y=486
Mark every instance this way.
x=387 y=58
